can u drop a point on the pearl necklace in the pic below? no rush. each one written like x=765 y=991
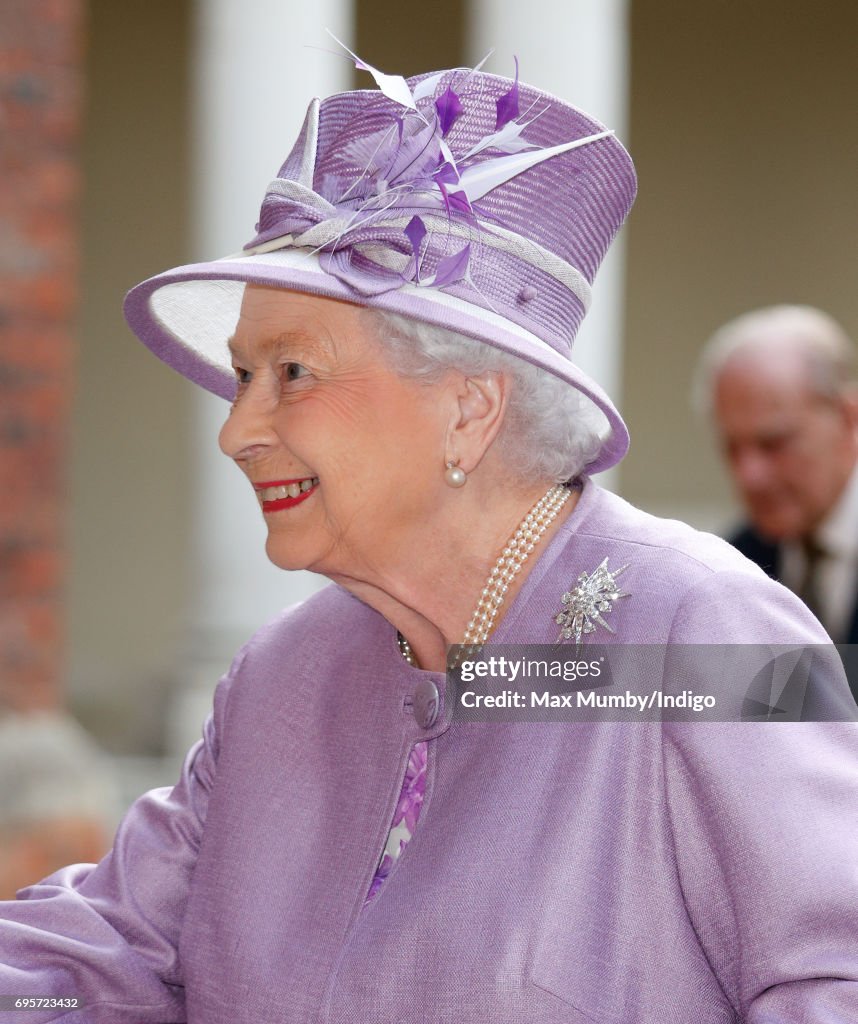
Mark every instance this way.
x=405 y=650
x=506 y=568
x=508 y=565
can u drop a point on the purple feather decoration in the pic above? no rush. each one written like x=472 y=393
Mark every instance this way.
x=452 y=268
x=449 y=109
x=457 y=202
x=417 y=153
x=409 y=171
x=446 y=174
x=415 y=232
x=507 y=105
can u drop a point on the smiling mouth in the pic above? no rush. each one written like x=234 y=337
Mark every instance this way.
x=280 y=494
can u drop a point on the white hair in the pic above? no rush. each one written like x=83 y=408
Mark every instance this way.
x=551 y=431
x=827 y=351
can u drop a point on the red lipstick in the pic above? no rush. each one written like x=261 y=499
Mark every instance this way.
x=278 y=504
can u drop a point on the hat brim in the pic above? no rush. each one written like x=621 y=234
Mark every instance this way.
x=187 y=315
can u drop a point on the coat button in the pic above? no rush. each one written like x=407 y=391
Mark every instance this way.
x=426 y=703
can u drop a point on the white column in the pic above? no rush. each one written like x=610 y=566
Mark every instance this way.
x=256 y=66
x=578 y=50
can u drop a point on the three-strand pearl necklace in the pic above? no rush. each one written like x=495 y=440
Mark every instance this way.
x=508 y=565
x=505 y=570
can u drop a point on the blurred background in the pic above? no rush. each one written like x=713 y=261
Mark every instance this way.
x=135 y=136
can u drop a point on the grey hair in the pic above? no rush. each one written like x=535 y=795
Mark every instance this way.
x=828 y=352
x=551 y=431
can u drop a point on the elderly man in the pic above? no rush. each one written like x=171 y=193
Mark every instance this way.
x=780 y=385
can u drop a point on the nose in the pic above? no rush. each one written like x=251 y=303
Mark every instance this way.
x=750 y=469
x=248 y=430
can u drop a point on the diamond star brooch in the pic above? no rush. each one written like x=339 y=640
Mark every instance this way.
x=584 y=607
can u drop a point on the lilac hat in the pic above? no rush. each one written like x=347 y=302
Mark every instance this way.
x=461 y=199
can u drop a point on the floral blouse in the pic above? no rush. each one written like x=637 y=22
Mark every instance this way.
x=404 y=818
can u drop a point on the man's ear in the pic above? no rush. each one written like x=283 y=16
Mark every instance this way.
x=476 y=417
x=849 y=404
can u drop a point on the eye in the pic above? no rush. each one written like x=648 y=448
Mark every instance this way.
x=294 y=371
x=241 y=375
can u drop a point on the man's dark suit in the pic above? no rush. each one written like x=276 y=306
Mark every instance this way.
x=768 y=557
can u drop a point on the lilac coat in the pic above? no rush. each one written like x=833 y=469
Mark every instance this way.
x=613 y=872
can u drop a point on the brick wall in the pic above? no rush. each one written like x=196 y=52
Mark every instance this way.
x=40 y=88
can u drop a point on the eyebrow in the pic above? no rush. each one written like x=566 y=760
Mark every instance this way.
x=295 y=336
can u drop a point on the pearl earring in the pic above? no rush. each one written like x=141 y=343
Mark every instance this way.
x=454 y=476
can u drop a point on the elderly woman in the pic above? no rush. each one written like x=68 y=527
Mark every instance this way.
x=396 y=345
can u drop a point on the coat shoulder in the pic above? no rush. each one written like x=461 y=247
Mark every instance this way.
x=310 y=632
x=697 y=553
x=689 y=586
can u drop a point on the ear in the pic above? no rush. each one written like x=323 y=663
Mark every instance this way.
x=477 y=414
x=849 y=405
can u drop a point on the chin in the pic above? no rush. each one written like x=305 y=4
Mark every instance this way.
x=295 y=554
x=778 y=529
x=287 y=557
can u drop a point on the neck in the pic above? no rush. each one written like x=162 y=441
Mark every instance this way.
x=428 y=588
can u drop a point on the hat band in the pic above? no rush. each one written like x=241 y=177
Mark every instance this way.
x=167 y=301
x=329 y=230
